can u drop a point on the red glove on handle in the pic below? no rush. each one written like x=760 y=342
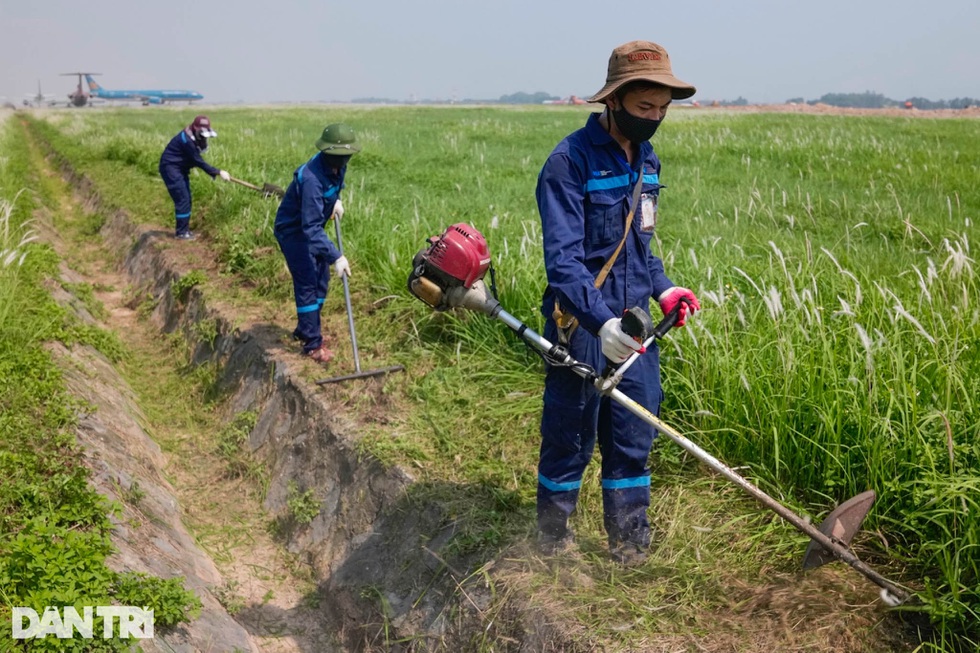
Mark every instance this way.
x=672 y=296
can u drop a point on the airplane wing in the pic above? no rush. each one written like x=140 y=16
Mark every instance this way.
x=46 y=98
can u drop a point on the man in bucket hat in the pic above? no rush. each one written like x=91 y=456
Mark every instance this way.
x=182 y=153
x=313 y=197
x=597 y=195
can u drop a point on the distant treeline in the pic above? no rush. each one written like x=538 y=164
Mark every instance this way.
x=527 y=98
x=513 y=98
x=869 y=100
x=866 y=100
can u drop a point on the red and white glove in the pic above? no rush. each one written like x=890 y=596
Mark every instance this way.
x=672 y=296
x=617 y=345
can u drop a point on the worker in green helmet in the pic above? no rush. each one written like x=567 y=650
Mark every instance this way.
x=313 y=197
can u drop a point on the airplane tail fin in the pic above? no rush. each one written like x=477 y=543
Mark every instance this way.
x=93 y=85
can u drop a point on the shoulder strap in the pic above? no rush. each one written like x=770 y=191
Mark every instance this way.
x=604 y=272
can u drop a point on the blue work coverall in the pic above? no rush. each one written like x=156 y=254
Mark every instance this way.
x=307 y=205
x=180 y=155
x=584 y=193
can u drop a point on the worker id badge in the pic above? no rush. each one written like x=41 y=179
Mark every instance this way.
x=648 y=212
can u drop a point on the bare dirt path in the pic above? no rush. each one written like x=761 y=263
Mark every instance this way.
x=267 y=590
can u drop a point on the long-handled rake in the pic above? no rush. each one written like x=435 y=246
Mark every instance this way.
x=266 y=189
x=358 y=374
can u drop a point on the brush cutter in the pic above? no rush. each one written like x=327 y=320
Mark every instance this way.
x=449 y=274
x=266 y=189
x=358 y=374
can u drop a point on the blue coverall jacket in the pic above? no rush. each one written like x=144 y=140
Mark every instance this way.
x=584 y=193
x=299 y=228
x=180 y=155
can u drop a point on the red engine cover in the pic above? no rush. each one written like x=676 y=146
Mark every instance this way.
x=461 y=253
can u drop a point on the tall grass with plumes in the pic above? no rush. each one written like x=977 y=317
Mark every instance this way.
x=13 y=241
x=15 y=233
x=837 y=351
x=834 y=258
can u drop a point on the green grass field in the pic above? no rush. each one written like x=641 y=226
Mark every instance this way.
x=837 y=348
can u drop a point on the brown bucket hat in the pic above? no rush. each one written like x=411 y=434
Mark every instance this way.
x=641 y=60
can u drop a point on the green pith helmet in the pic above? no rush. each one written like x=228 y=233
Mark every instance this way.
x=338 y=139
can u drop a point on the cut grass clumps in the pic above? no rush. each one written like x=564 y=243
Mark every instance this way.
x=232 y=446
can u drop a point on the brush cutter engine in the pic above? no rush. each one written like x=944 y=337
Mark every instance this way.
x=449 y=272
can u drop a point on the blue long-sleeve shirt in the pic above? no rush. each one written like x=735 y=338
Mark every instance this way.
x=182 y=153
x=584 y=193
x=308 y=204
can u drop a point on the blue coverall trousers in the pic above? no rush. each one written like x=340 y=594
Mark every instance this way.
x=575 y=416
x=311 y=278
x=179 y=187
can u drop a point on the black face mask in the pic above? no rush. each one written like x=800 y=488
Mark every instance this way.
x=636 y=129
x=201 y=142
x=334 y=160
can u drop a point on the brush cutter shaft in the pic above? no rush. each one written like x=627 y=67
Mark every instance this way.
x=840 y=552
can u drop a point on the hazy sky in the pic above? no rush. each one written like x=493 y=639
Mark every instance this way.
x=306 y=50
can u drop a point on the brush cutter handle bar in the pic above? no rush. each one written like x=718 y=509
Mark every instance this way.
x=668 y=322
x=612 y=376
x=840 y=552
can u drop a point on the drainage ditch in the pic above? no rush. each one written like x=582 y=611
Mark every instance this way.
x=385 y=579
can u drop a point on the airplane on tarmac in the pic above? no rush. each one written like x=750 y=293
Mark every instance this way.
x=40 y=98
x=79 y=97
x=571 y=99
x=146 y=96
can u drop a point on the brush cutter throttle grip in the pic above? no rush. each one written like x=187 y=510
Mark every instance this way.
x=639 y=327
x=637 y=324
